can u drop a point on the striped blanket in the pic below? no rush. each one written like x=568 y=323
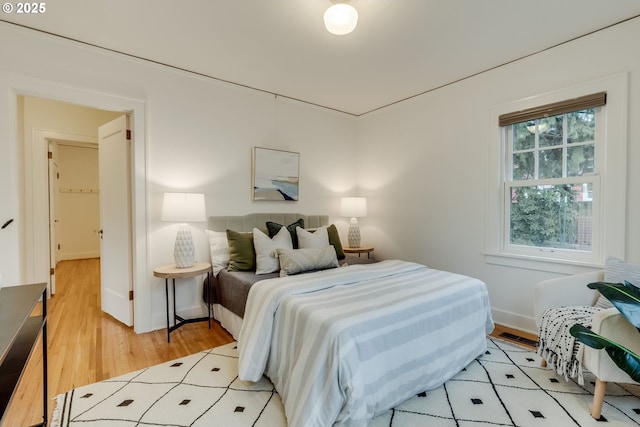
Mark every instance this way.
x=346 y=344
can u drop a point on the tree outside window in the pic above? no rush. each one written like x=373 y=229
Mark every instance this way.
x=551 y=181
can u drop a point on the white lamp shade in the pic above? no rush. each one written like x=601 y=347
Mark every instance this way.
x=341 y=19
x=353 y=207
x=183 y=207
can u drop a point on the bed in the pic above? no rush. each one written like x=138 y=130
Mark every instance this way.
x=342 y=345
x=227 y=291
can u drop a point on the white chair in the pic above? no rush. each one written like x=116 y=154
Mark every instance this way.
x=573 y=291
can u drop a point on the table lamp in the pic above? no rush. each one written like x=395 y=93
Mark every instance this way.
x=354 y=208
x=183 y=208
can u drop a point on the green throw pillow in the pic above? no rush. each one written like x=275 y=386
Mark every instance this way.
x=334 y=240
x=242 y=255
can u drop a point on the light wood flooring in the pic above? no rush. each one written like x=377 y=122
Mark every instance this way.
x=86 y=345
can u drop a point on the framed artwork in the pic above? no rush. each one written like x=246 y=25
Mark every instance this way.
x=275 y=175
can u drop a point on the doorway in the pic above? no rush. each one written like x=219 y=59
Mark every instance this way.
x=73 y=201
x=90 y=212
x=36 y=113
x=89 y=190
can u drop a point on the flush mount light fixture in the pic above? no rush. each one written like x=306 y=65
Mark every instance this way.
x=341 y=19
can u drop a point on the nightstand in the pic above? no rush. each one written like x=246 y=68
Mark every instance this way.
x=172 y=272
x=360 y=250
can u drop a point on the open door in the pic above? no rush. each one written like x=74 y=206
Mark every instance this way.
x=114 y=152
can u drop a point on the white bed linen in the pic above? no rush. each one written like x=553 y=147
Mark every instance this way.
x=228 y=319
x=346 y=344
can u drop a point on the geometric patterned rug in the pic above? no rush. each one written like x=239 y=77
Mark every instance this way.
x=504 y=387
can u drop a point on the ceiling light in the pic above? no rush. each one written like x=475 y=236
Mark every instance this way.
x=341 y=19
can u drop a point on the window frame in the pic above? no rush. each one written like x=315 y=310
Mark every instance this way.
x=609 y=178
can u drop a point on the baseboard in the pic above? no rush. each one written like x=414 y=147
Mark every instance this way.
x=514 y=321
x=79 y=255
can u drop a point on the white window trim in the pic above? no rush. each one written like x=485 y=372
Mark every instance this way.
x=611 y=167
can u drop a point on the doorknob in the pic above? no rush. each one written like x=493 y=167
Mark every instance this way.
x=100 y=232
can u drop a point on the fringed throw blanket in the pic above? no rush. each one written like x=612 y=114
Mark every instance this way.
x=557 y=346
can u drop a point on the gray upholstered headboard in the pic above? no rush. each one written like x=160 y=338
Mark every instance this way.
x=259 y=220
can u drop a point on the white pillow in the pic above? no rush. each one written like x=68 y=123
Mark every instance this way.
x=266 y=249
x=617 y=271
x=219 y=250
x=296 y=261
x=319 y=239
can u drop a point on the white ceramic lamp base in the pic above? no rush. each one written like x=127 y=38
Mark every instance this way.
x=184 y=252
x=353 y=235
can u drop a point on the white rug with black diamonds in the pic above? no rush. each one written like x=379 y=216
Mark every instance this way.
x=504 y=387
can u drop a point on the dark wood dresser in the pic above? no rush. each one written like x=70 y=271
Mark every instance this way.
x=19 y=332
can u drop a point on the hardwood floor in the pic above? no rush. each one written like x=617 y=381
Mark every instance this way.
x=85 y=345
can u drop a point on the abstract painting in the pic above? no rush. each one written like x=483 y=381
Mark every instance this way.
x=275 y=174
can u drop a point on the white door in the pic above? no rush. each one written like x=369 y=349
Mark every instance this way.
x=115 y=220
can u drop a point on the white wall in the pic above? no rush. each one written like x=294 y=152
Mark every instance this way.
x=198 y=137
x=423 y=164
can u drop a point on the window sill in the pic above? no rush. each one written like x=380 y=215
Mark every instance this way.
x=549 y=265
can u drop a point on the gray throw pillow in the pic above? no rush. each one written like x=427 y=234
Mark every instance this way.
x=311 y=259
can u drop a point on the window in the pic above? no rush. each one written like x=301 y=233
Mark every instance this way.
x=558 y=179
x=550 y=185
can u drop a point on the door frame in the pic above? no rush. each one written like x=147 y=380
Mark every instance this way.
x=35 y=199
x=54 y=213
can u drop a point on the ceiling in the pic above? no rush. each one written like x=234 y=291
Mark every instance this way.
x=400 y=48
